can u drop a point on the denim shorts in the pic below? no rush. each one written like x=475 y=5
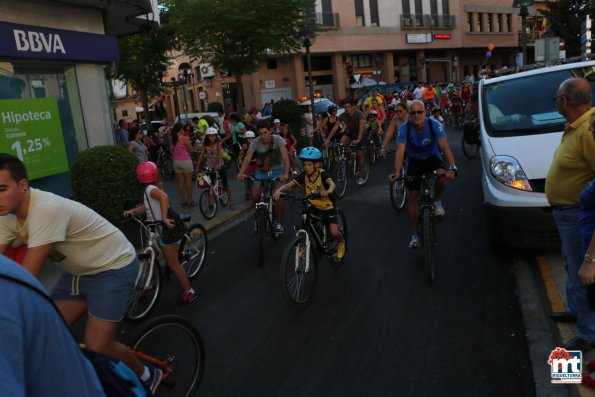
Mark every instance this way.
x=105 y=293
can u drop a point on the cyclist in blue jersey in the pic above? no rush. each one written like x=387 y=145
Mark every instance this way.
x=424 y=142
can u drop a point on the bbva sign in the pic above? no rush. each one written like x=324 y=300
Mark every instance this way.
x=50 y=43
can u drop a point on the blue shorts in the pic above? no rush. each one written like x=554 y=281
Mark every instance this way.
x=277 y=173
x=105 y=293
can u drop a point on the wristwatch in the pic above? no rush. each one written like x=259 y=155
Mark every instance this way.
x=453 y=168
x=589 y=259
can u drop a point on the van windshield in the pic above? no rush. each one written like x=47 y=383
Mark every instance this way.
x=527 y=105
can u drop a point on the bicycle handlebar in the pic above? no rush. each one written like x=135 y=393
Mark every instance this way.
x=417 y=178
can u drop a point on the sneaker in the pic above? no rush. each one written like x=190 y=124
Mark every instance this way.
x=341 y=250
x=360 y=182
x=414 y=243
x=154 y=379
x=279 y=228
x=189 y=296
x=439 y=209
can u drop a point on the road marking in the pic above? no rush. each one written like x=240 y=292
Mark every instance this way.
x=554 y=298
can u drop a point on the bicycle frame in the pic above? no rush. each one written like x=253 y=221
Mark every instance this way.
x=151 y=248
x=216 y=187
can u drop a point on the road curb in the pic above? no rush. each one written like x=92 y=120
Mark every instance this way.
x=228 y=218
x=565 y=331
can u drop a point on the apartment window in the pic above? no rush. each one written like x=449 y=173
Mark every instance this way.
x=271 y=63
x=406 y=7
x=445 y=7
x=490 y=23
x=499 y=23
x=359 y=13
x=470 y=22
x=374 y=19
x=326 y=6
x=418 y=8
x=509 y=23
x=434 y=7
x=361 y=61
x=479 y=22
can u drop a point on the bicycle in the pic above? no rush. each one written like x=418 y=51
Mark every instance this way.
x=427 y=219
x=346 y=160
x=265 y=214
x=147 y=286
x=300 y=261
x=372 y=147
x=165 y=164
x=174 y=345
x=470 y=142
x=213 y=191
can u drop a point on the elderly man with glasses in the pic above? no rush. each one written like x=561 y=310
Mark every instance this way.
x=424 y=141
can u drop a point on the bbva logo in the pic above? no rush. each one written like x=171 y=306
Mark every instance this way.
x=38 y=42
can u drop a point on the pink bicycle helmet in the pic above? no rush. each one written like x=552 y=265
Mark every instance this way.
x=147 y=172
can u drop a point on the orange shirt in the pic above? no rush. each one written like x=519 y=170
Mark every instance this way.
x=429 y=93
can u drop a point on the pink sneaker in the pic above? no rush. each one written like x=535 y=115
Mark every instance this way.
x=189 y=296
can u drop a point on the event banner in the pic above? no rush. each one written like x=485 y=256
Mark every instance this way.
x=30 y=129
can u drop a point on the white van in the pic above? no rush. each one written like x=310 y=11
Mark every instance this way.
x=520 y=130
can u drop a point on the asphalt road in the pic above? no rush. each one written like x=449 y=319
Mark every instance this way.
x=376 y=327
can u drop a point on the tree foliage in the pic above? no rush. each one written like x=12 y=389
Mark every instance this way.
x=565 y=18
x=234 y=35
x=143 y=55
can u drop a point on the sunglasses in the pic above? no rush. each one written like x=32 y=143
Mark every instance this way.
x=414 y=112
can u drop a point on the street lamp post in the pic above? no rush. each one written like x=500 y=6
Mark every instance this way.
x=307 y=38
x=175 y=87
x=523 y=12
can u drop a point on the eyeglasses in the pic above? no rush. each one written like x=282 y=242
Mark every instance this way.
x=414 y=112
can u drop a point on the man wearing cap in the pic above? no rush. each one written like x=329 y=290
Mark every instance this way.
x=277 y=127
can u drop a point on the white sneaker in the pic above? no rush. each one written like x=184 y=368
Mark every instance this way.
x=439 y=209
x=414 y=243
x=360 y=182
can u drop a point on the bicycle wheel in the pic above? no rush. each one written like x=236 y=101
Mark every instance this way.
x=299 y=275
x=326 y=158
x=193 y=250
x=371 y=151
x=340 y=179
x=223 y=197
x=207 y=204
x=167 y=169
x=470 y=150
x=428 y=235
x=342 y=224
x=175 y=346
x=398 y=194
x=146 y=288
x=261 y=228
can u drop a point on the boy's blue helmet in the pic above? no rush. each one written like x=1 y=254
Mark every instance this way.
x=310 y=153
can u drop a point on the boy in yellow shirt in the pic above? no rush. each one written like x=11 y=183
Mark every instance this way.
x=316 y=180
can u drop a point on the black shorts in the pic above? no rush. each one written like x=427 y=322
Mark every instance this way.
x=328 y=216
x=418 y=167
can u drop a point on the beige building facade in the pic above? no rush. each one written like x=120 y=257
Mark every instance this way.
x=393 y=41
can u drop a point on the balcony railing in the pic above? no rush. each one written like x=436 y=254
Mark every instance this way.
x=427 y=21
x=329 y=20
x=531 y=37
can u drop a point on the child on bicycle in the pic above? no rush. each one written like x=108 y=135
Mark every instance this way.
x=249 y=136
x=156 y=203
x=374 y=127
x=212 y=153
x=291 y=142
x=315 y=180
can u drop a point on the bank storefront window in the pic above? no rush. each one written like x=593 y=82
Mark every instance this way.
x=41 y=120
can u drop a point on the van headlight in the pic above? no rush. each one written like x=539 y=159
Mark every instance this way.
x=509 y=172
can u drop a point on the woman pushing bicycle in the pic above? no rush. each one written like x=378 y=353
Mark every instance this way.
x=317 y=182
x=155 y=204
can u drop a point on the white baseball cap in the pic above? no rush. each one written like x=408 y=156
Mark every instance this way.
x=276 y=121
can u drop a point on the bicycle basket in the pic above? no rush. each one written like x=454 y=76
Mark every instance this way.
x=202 y=181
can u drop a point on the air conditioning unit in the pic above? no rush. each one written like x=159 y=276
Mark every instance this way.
x=207 y=70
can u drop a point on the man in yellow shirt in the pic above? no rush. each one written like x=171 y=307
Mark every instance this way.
x=573 y=166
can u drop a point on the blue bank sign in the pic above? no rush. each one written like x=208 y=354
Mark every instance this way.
x=24 y=41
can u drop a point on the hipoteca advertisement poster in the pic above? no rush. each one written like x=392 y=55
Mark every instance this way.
x=31 y=130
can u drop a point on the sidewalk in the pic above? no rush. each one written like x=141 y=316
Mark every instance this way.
x=550 y=268
x=224 y=215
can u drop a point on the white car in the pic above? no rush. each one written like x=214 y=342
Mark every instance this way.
x=187 y=117
x=520 y=128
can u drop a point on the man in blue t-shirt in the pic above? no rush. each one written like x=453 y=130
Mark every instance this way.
x=38 y=354
x=424 y=144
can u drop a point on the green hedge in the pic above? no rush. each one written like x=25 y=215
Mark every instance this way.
x=215 y=107
x=104 y=179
